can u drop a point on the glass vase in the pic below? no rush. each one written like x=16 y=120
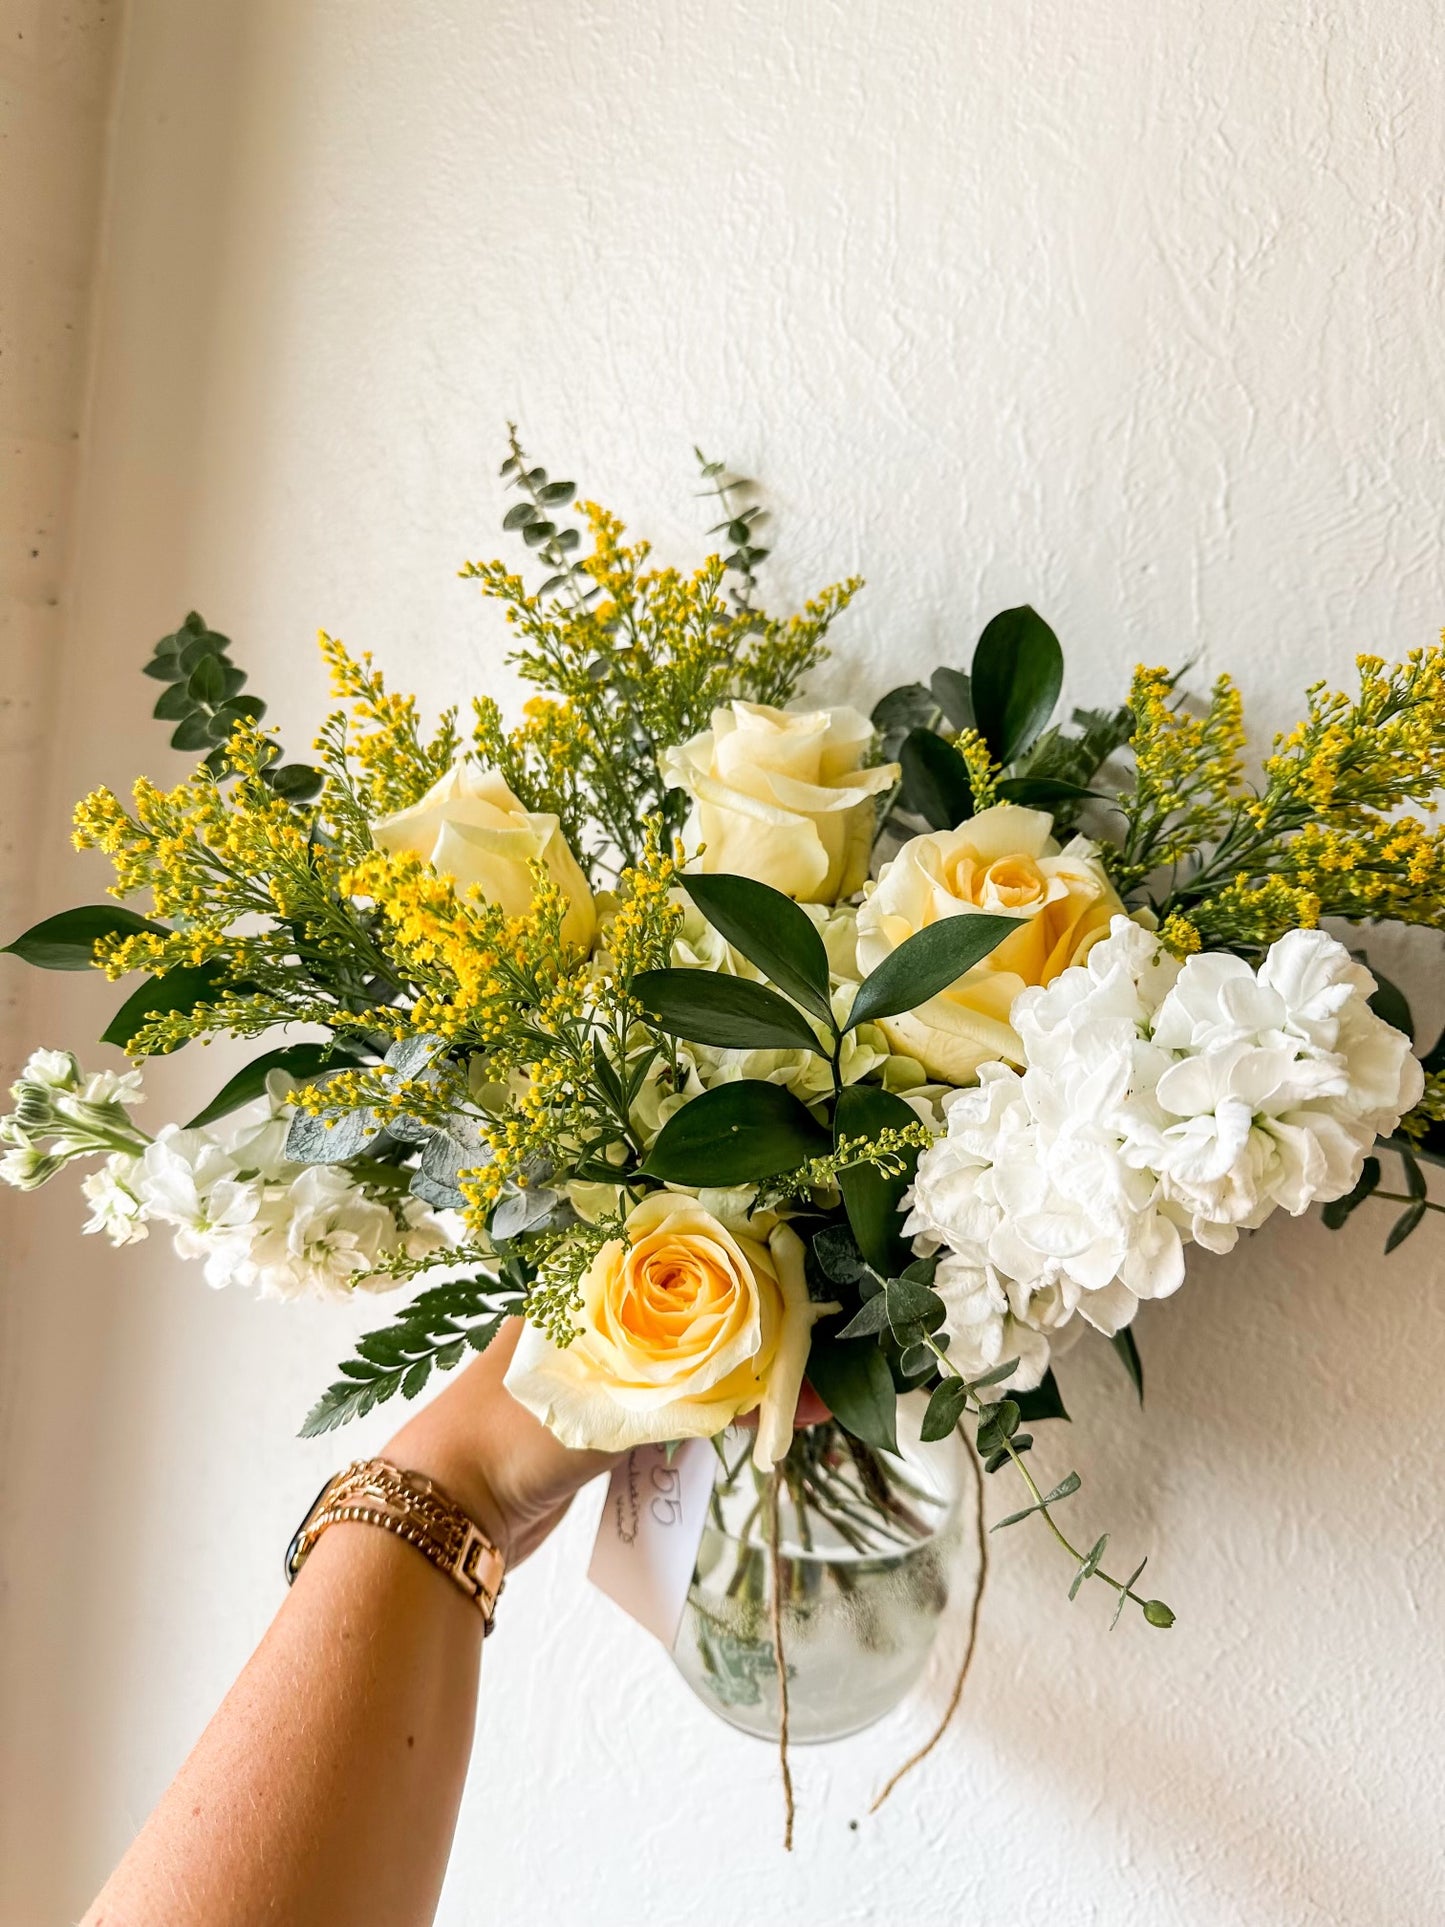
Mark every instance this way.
x=869 y=1548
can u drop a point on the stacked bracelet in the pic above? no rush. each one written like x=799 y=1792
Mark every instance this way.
x=374 y=1492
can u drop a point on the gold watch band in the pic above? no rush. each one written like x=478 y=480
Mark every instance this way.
x=374 y=1492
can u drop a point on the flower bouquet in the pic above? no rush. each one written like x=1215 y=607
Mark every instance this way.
x=752 y=1052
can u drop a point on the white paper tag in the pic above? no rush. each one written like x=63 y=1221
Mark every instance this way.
x=650 y=1531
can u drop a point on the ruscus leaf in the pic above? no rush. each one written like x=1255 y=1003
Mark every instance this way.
x=927 y=963
x=67 y=941
x=770 y=931
x=1018 y=671
x=727 y=1013
x=734 y=1134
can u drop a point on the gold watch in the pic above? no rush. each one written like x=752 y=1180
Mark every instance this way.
x=374 y=1492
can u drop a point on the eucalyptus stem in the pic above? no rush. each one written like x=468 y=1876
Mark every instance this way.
x=1154 y=1610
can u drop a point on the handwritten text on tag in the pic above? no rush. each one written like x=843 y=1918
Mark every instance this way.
x=650 y=1531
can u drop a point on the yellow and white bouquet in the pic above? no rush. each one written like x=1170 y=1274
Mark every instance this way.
x=737 y=1043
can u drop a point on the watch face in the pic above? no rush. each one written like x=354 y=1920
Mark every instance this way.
x=293 y=1551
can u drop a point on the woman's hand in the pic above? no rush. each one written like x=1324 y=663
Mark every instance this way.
x=501 y=1465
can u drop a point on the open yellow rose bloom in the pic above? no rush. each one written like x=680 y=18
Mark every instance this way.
x=684 y=1327
x=1002 y=862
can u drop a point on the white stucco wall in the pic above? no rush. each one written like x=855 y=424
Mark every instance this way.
x=1130 y=310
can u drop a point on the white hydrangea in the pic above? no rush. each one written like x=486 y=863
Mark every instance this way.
x=1160 y=1105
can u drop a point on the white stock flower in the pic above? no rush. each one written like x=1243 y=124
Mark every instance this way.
x=57 y=1070
x=1160 y=1104
x=1281 y=1080
x=189 y=1181
x=322 y=1235
x=115 y=1203
x=112 y=1087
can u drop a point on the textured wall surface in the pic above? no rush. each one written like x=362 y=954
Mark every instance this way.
x=1130 y=310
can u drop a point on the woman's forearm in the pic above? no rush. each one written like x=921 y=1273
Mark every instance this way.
x=326 y=1787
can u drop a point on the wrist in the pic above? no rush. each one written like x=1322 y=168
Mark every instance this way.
x=456 y=1467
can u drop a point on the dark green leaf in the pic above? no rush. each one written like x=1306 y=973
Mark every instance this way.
x=1043 y=1402
x=871 y=1196
x=198 y=647
x=910 y=707
x=1045 y=792
x=173 y=704
x=945 y=1408
x=1338 y=1209
x=207 y=681
x=995 y=1377
x=67 y=941
x=871 y=1319
x=855 y=1384
x=301 y=1061
x=181 y=989
x=295 y=782
x=918 y=1361
x=838 y=1255
x=536 y=533
x=519 y=515
x=401 y=1357
x=770 y=931
x=734 y=1134
x=1123 y=1343
x=950 y=690
x=1390 y=1004
x=1409 y=1220
x=927 y=963
x=728 y=1013
x=230 y=712
x=912 y=1309
x=556 y=493
x=935 y=780
x=1018 y=671
x=1020 y=1443
x=996 y=1424
x=192 y=733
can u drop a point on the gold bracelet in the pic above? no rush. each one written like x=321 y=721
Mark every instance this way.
x=374 y=1492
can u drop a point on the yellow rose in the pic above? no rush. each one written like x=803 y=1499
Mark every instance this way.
x=778 y=795
x=684 y=1326
x=1003 y=861
x=470 y=827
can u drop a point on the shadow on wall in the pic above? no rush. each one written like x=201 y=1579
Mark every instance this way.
x=1241 y=1765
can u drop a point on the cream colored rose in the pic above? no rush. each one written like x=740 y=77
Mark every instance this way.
x=1003 y=861
x=779 y=796
x=684 y=1326
x=469 y=826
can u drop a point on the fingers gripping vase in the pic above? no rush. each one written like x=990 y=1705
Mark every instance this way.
x=869 y=1551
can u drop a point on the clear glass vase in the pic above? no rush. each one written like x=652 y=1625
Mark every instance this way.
x=869 y=1553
